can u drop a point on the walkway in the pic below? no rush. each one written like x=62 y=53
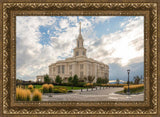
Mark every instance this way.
x=106 y=94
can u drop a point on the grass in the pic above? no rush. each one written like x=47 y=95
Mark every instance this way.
x=134 y=88
x=68 y=87
x=23 y=94
x=37 y=95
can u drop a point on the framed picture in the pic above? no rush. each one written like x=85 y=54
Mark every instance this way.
x=79 y=58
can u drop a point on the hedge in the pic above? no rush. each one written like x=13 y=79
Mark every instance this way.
x=133 y=88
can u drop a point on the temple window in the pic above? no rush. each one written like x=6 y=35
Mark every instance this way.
x=77 y=53
x=63 y=69
x=83 y=53
x=81 y=74
x=59 y=70
x=70 y=73
x=81 y=66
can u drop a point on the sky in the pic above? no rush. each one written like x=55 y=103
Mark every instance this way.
x=114 y=40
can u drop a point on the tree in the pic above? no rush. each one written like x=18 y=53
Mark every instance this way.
x=70 y=79
x=46 y=79
x=99 y=80
x=131 y=82
x=137 y=80
x=85 y=79
x=58 y=79
x=105 y=81
x=75 y=80
x=18 y=81
x=90 y=79
x=117 y=81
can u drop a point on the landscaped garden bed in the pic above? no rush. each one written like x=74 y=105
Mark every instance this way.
x=28 y=94
x=133 y=89
x=49 y=88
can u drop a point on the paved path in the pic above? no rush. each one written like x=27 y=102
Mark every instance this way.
x=106 y=94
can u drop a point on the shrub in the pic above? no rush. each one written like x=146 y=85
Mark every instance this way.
x=45 y=88
x=60 y=90
x=50 y=88
x=80 y=84
x=88 y=85
x=37 y=95
x=104 y=85
x=133 y=88
x=30 y=87
x=116 y=85
x=28 y=95
x=23 y=94
x=66 y=84
x=41 y=90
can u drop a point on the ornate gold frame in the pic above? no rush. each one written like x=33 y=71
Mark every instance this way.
x=11 y=9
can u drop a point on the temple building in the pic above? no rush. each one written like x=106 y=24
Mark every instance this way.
x=79 y=64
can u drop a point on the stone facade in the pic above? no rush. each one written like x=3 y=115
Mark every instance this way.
x=40 y=78
x=79 y=64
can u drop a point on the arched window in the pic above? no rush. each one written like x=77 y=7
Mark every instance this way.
x=77 y=53
x=83 y=53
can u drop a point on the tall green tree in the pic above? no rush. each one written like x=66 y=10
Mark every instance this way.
x=85 y=79
x=137 y=80
x=58 y=79
x=75 y=80
x=99 y=80
x=70 y=79
x=105 y=81
x=90 y=79
x=46 y=79
x=102 y=80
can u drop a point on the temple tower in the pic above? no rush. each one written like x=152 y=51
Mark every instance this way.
x=79 y=50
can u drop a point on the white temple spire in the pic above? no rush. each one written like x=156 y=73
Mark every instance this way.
x=79 y=27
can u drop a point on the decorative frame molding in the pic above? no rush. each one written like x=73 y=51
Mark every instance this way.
x=8 y=45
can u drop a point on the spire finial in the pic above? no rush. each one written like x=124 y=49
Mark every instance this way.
x=79 y=27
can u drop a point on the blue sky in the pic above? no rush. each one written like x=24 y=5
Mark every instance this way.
x=115 y=40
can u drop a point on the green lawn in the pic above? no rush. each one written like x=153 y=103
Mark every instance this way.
x=68 y=87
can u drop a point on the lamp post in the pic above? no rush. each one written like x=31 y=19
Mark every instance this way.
x=128 y=80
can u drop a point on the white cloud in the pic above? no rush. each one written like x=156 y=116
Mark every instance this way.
x=120 y=47
x=31 y=55
x=33 y=58
x=102 y=19
x=72 y=19
x=63 y=23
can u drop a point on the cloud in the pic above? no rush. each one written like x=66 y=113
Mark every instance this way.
x=123 y=47
x=30 y=54
x=102 y=19
x=63 y=23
